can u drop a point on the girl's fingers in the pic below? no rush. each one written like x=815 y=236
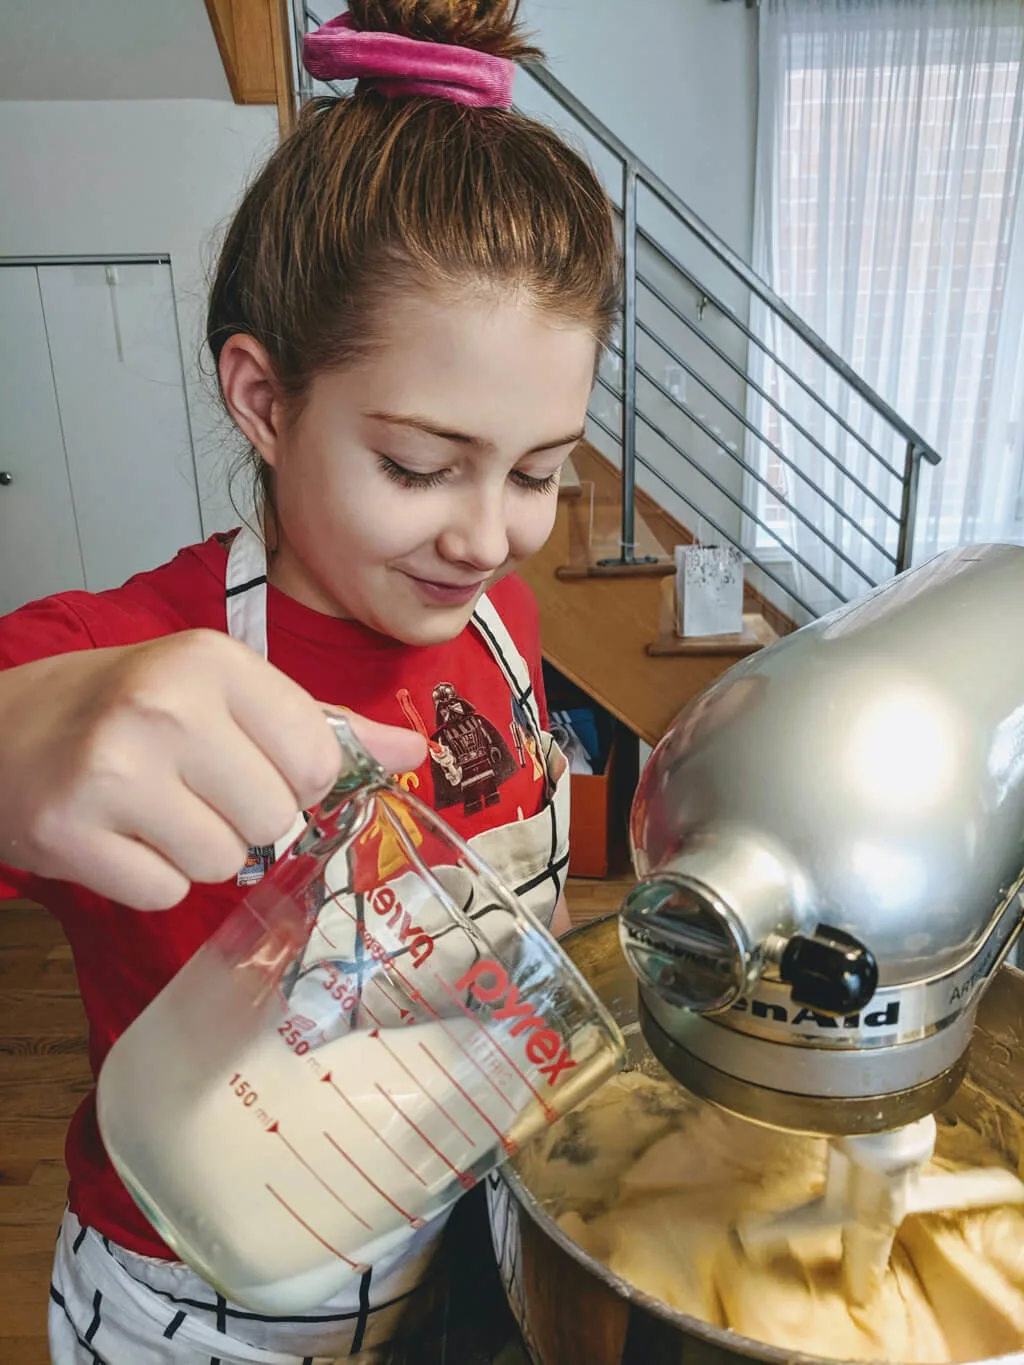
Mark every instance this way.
x=397 y=750
x=123 y=870
x=285 y=724
x=230 y=774
x=188 y=834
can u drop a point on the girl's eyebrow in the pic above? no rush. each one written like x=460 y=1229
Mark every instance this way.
x=432 y=428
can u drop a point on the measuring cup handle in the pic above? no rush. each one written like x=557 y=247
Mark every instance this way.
x=358 y=766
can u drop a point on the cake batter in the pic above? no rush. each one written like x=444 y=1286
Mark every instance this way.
x=649 y=1181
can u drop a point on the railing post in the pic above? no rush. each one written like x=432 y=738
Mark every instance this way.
x=303 y=80
x=908 y=507
x=630 y=236
x=629 y=252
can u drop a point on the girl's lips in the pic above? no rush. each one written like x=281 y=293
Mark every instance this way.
x=446 y=594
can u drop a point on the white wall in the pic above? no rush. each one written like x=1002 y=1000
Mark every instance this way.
x=107 y=49
x=108 y=177
x=677 y=80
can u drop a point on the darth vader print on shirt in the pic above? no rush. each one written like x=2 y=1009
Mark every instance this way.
x=469 y=759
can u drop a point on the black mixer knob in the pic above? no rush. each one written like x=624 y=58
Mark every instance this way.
x=829 y=971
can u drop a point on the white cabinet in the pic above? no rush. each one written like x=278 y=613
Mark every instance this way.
x=97 y=480
x=39 y=549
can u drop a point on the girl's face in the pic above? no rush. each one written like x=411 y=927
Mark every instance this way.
x=410 y=482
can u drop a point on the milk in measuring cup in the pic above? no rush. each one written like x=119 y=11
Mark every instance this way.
x=345 y=1054
x=297 y=1173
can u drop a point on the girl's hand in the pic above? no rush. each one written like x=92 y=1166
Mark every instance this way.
x=138 y=770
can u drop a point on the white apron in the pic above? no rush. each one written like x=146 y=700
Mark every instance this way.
x=109 y=1306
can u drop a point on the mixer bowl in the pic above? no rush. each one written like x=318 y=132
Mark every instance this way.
x=573 y=1311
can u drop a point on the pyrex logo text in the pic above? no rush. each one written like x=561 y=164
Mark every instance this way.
x=388 y=906
x=488 y=982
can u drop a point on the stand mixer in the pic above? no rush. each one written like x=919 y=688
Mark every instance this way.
x=830 y=843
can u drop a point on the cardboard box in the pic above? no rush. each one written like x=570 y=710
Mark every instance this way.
x=592 y=821
x=598 y=841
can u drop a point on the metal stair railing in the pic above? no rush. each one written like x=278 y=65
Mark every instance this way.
x=774 y=523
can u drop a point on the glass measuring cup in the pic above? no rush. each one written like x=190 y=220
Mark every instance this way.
x=375 y=1027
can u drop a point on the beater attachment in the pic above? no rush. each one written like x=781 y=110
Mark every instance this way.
x=872 y=1183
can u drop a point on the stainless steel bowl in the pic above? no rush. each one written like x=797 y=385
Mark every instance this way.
x=573 y=1311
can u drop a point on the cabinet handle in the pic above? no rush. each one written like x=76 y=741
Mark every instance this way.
x=6 y=478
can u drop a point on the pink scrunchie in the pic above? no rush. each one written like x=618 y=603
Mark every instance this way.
x=398 y=66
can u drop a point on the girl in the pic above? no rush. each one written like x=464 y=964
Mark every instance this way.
x=405 y=321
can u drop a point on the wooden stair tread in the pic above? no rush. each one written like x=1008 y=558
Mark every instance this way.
x=658 y=568
x=756 y=634
x=667 y=532
x=601 y=560
x=597 y=629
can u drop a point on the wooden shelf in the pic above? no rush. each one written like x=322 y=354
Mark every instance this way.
x=252 y=38
x=756 y=634
x=660 y=568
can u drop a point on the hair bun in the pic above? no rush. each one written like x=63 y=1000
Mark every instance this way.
x=490 y=26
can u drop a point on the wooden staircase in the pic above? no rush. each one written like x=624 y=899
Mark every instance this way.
x=611 y=631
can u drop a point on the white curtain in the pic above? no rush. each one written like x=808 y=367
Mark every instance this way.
x=890 y=215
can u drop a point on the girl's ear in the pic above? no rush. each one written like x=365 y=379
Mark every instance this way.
x=252 y=393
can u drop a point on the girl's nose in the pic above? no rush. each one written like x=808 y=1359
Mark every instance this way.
x=477 y=533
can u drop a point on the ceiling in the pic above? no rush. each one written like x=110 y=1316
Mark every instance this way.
x=108 y=50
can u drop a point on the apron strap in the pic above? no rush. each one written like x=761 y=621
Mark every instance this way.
x=494 y=633
x=245 y=591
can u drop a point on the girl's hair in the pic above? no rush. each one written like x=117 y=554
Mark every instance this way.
x=369 y=195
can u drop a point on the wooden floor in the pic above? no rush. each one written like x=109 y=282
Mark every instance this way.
x=43 y=1075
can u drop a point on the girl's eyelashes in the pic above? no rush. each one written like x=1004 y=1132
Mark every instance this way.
x=533 y=485
x=411 y=478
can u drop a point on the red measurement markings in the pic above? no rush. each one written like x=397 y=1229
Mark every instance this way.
x=367 y=1010
x=320 y=930
x=409 y=1218
x=379 y=1136
x=275 y=1129
x=550 y=1113
x=421 y=1087
x=243 y=1089
x=313 y=1233
x=379 y=1024
x=402 y=1011
x=464 y=1178
x=478 y=1065
x=511 y=1148
x=332 y=899
x=412 y=991
x=421 y=1000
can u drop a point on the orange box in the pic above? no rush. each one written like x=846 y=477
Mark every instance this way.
x=591 y=821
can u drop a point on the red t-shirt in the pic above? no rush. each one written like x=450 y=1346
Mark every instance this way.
x=124 y=957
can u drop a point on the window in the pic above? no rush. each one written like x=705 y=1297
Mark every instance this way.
x=891 y=217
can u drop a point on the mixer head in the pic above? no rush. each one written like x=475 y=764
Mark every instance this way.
x=831 y=847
